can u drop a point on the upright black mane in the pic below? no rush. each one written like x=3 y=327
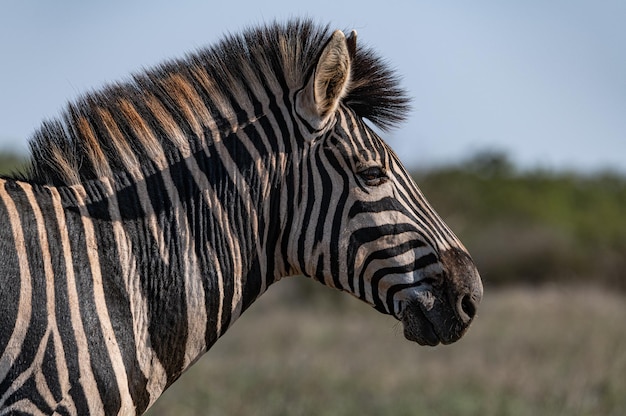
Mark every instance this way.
x=76 y=147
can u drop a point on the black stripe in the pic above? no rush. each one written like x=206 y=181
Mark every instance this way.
x=9 y=276
x=326 y=184
x=49 y=370
x=338 y=213
x=29 y=392
x=307 y=174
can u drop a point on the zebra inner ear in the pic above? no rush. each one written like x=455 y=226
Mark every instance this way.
x=329 y=82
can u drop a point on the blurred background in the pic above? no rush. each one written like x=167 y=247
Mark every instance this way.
x=517 y=137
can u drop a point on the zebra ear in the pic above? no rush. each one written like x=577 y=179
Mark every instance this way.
x=328 y=83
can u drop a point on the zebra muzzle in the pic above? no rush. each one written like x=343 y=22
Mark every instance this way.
x=442 y=312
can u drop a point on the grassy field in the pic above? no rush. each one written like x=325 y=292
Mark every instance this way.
x=530 y=352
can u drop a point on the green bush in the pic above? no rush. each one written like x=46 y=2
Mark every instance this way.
x=11 y=163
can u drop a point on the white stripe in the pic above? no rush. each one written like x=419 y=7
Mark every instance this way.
x=87 y=380
x=59 y=354
x=23 y=407
x=126 y=406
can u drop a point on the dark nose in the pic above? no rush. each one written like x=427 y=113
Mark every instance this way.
x=465 y=287
x=466 y=307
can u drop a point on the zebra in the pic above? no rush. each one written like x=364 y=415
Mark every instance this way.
x=154 y=211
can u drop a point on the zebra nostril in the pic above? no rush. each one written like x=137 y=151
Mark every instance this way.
x=466 y=308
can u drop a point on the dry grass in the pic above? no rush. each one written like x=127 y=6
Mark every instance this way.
x=530 y=352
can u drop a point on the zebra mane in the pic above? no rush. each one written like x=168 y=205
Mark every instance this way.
x=166 y=107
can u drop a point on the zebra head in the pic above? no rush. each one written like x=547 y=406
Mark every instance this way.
x=362 y=225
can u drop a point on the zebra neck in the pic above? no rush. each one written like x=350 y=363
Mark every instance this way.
x=150 y=271
x=183 y=253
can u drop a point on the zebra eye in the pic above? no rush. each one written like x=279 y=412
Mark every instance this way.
x=373 y=176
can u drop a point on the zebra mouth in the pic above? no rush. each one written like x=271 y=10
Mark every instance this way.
x=429 y=321
x=417 y=327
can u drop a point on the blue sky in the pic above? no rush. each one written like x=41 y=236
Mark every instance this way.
x=544 y=81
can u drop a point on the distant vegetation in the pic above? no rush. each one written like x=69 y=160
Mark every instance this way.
x=10 y=163
x=528 y=227
x=534 y=227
